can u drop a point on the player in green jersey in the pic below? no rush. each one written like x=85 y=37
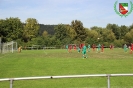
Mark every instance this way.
x=84 y=51
x=89 y=47
x=125 y=47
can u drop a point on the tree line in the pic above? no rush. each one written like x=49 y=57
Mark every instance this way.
x=33 y=33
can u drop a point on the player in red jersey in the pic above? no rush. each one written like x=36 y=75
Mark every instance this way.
x=93 y=47
x=102 y=48
x=69 y=48
x=131 y=48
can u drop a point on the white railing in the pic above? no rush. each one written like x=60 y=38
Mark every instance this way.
x=66 y=76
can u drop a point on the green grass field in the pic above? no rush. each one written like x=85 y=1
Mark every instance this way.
x=58 y=62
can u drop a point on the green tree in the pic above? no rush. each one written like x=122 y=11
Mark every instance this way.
x=71 y=34
x=3 y=30
x=37 y=41
x=11 y=29
x=31 y=29
x=129 y=37
x=119 y=43
x=81 y=34
x=92 y=36
x=109 y=26
x=61 y=33
x=111 y=37
x=98 y=29
x=130 y=27
x=115 y=29
x=45 y=34
x=123 y=30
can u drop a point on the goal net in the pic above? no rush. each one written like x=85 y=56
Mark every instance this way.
x=9 y=47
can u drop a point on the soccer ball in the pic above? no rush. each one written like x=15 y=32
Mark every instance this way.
x=98 y=38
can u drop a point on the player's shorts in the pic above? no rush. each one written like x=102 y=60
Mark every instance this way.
x=83 y=52
x=98 y=48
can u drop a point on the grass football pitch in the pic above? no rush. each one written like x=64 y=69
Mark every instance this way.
x=58 y=62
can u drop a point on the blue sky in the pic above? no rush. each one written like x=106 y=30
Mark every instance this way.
x=89 y=12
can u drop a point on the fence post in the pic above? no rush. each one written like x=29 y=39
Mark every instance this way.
x=11 y=83
x=108 y=77
x=12 y=46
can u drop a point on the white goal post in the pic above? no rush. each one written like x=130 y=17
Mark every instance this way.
x=9 y=47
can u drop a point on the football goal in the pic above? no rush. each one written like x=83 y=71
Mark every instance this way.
x=9 y=47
